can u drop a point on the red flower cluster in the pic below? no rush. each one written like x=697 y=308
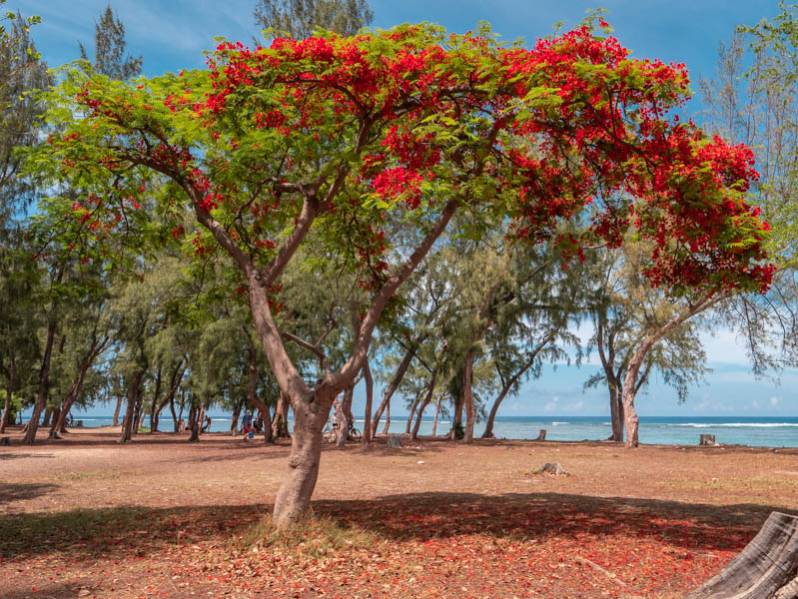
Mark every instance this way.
x=399 y=181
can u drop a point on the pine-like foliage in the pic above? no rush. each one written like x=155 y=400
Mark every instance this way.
x=109 y=49
x=299 y=18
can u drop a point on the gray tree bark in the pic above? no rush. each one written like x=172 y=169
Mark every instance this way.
x=766 y=569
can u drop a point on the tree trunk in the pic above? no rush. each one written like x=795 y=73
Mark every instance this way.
x=254 y=400
x=616 y=413
x=5 y=418
x=386 y=429
x=630 y=382
x=457 y=418
x=437 y=417
x=59 y=424
x=116 y=410
x=137 y=416
x=154 y=409
x=505 y=391
x=412 y=415
x=51 y=415
x=130 y=411
x=494 y=409
x=468 y=397
x=424 y=404
x=766 y=569
x=293 y=498
x=280 y=422
x=343 y=413
x=236 y=415
x=174 y=414
x=196 y=423
x=44 y=386
x=367 y=430
x=6 y=411
x=385 y=404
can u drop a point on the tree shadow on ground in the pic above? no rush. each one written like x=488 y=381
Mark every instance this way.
x=127 y=530
x=15 y=456
x=527 y=516
x=20 y=491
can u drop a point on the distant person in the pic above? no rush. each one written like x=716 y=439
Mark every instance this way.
x=246 y=426
x=207 y=426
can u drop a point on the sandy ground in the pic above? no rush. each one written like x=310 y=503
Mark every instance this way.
x=162 y=517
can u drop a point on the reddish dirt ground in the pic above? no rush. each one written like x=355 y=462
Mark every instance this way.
x=85 y=517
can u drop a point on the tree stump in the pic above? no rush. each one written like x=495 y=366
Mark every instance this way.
x=707 y=440
x=766 y=569
x=549 y=468
x=394 y=441
x=541 y=435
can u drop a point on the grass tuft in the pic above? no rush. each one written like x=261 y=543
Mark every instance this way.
x=315 y=536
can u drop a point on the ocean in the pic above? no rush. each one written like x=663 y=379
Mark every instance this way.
x=668 y=430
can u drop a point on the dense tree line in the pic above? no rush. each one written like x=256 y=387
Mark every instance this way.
x=434 y=213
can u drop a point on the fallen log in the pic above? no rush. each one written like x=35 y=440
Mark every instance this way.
x=766 y=569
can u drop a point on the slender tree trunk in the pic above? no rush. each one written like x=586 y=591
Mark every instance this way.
x=236 y=415
x=367 y=430
x=457 y=418
x=616 y=413
x=437 y=417
x=59 y=424
x=44 y=386
x=254 y=400
x=130 y=411
x=468 y=397
x=293 y=498
x=411 y=416
x=195 y=420
x=137 y=416
x=116 y=410
x=385 y=404
x=182 y=427
x=343 y=417
x=6 y=416
x=386 y=429
x=505 y=390
x=50 y=415
x=424 y=404
x=6 y=411
x=494 y=409
x=280 y=422
x=174 y=414
x=154 y=409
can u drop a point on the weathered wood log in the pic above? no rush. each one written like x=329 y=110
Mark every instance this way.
x=707 y=440
x=541 y=435
x=766 y=569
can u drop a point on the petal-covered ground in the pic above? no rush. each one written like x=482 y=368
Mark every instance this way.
x=162 y=518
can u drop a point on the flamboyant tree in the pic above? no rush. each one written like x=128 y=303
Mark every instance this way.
x=378 y=142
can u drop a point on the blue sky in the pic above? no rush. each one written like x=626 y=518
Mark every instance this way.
x=171 y=35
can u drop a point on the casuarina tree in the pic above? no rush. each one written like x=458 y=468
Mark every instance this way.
x=381 y=141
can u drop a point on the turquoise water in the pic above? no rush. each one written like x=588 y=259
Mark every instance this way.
x=755 y=431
